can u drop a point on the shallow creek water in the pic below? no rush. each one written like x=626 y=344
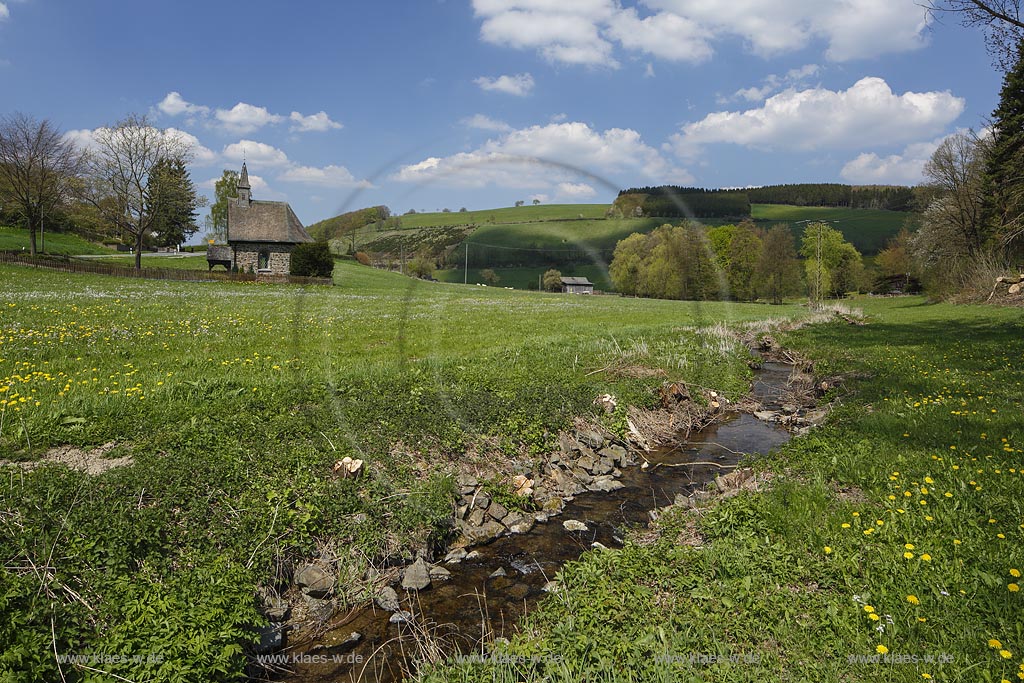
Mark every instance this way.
x=458 y=612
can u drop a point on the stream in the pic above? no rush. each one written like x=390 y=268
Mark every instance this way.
x=474 y=604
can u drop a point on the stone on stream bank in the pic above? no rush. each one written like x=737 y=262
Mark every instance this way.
x=416 y=576
x=314 y=581
x=588 y=460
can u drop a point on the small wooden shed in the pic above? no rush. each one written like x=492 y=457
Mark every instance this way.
x=577 y=285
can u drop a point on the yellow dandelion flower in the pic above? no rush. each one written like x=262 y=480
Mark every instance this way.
x=873 y=617
x=1000 y=535
x=1005 y=654
x=926 y=557
x=993 y=643
x=912 y=599
x=881 y=649
x=845 y=525
x=869 y=609
x=922 y=619
x=828 y=549
x=908 y=546
x=1015 y=573
x=1013 y=588
x=908 y=555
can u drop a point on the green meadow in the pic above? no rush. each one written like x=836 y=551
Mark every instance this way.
x=887 y=545
x=233 y=400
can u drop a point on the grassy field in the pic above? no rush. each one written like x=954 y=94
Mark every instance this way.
x=16 y=239
x=233 y=400
x=182 y=262
x=888 y=546
x=866 y=229
x=549 y=242
x=523 y=278
x=511 y=214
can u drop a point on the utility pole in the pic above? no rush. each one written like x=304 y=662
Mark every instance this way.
x=817 y=274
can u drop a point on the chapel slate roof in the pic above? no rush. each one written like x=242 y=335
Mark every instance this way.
x=262 y=221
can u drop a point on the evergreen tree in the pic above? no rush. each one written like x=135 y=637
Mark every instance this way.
x=1004 y=171
x=173 y=200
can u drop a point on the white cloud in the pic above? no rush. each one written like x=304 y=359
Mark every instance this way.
x=853 y=29
x=328 y=176
x=482 y=122
x=314 y=123
x=258 y=154
x=82 y=138
x=869 y=113
x=520 y=85
x=773 y=83
x=583 y=31
x=565 y=31
x=174 y=105
x=4 y=12
x=906 y=168
x=576 y=190
x=201 y=155
x=245 y=118
x=649 y=71
x=664 y=35
x=545 y=157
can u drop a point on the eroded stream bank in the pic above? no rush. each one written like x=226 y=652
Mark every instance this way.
x=484 y=594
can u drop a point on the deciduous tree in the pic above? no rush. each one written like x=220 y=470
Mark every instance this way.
x=119 y=169
x=1001 y=20
x=224 y=190
x=552 y=280
x=744 y=252
x=778 y=270
x=38 y=168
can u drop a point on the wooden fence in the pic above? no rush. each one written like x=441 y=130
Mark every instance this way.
x=67 y=264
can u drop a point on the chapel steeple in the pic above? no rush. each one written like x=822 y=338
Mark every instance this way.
x=244 y=190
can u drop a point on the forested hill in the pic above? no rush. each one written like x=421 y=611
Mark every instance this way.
x=888 y=197
x=694 y=202
x=682 y=202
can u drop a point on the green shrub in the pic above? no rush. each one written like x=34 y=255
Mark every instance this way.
x=312 y=259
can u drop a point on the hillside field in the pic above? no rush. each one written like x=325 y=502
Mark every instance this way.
x=553 y=235
x=866 y=229
x=16 y=239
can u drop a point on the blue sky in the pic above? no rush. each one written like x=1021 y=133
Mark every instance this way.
x=429 y=104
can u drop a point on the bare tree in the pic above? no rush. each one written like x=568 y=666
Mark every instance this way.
x=38 y=166
x=956 y=172
x=120 y=165
x=1001 y=20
